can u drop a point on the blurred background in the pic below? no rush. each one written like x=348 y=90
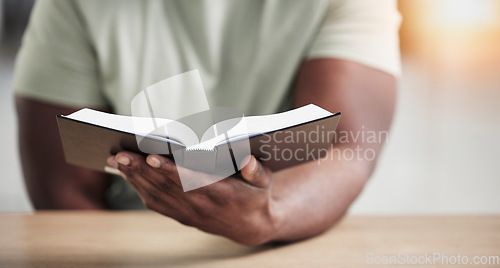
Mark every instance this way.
x=443 y=151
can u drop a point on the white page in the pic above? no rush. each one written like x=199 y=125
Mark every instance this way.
x=255 y=125
x=249 y=126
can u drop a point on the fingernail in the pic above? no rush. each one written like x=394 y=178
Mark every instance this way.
x=154 y=162
x=112 y=162
x=253 y=164
x=246 y=160
x=123 y=160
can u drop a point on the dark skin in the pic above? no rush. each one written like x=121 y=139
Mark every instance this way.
x=50 y=181
x=265 y=206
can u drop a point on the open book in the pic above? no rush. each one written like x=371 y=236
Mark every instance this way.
x=278 y=140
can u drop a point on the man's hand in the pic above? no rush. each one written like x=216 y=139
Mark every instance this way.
x=293 y=203
x=241 y=210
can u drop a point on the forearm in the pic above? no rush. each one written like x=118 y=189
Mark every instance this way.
x=67 y=200
x=54 y=184
x=308 y=199
x=51 y=182
x=63 y=195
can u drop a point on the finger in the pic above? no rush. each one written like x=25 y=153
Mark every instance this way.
x=141 y=188
x=142 y=178
x=129 y=163
x=112 y=161
x=254 y=173
x=112 y=167
x=151 y=187
x=185 y=178
x=152 y=197
x=179 y=175
x=133 y=165
x=164 y=166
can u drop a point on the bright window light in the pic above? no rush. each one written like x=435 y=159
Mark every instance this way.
x=466 y=13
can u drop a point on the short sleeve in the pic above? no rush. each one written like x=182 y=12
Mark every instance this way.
x=363 y=31
x=56 y=62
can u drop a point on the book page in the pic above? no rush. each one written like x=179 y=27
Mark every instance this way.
x=267 y=123
x=237 y=128
x=255 y=125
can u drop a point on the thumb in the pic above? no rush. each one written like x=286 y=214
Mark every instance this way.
x=254 y=173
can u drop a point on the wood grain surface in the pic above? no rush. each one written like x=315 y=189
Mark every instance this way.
x=145 y=239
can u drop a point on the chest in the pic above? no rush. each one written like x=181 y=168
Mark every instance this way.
x=230 y=42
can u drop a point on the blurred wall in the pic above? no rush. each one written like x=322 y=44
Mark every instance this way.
x=442 y=154
x=13 y=18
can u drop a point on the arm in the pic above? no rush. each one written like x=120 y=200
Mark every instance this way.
x=51 y=182
x=290 y=204
x=320 y=194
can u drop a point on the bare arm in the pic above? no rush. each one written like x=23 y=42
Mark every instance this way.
x=318 y=195
x=51 y=182
x=290 y=204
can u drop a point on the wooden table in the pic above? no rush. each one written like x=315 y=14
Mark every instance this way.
x=144 y=239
